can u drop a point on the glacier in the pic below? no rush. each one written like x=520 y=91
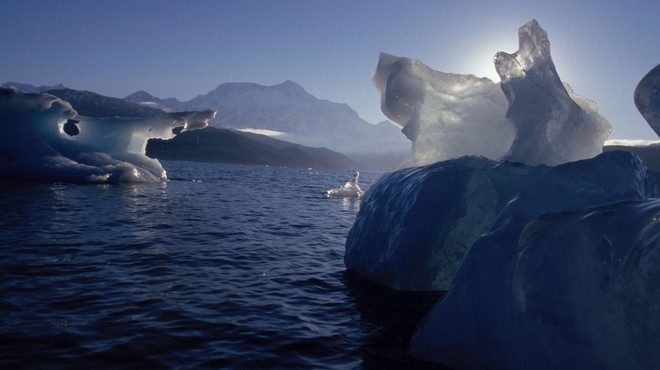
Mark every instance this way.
x=44 y=138
x=547 y=250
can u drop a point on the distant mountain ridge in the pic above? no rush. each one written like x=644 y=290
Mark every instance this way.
x=214 y=144
x=289 y=109
x=144 y=98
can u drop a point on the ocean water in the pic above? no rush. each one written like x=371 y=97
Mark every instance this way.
x=223 y=266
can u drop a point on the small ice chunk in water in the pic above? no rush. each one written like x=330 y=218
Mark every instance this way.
x=350 y=189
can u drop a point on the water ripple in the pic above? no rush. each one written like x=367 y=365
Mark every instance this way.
x=221 y=267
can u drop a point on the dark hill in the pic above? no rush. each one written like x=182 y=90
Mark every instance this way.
x=221 y=145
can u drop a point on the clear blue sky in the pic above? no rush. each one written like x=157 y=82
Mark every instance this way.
x=185 y=48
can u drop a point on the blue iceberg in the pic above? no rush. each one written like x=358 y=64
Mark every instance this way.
x=548 y=250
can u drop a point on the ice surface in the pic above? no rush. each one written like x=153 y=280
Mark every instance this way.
x=44 y=139
x=531 y=117
x=416 y=225
x=445 y=115
x=647 y=98
x=526 y=296
x=605 y=280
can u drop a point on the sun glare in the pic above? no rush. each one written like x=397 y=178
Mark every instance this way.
x=479 y=60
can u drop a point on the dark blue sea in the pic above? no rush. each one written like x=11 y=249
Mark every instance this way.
x=223 y=266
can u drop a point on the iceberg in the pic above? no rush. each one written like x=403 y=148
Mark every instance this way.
x=350 y=189
x=44 y=138
x=647 y=98
x=530 y=117
x=428 y=217
x=548 y=251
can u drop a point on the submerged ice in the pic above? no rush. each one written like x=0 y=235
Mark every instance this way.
x=44 y=138
x=548 y=250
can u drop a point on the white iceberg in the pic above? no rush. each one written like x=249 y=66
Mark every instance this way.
x=530 y=117
x=44 y=138
x=351 y=189
x=445 y=115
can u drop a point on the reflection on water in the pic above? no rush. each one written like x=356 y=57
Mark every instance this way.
x=350 y=204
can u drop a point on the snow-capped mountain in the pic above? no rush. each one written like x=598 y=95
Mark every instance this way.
x=290 y=113
x=144 y=98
